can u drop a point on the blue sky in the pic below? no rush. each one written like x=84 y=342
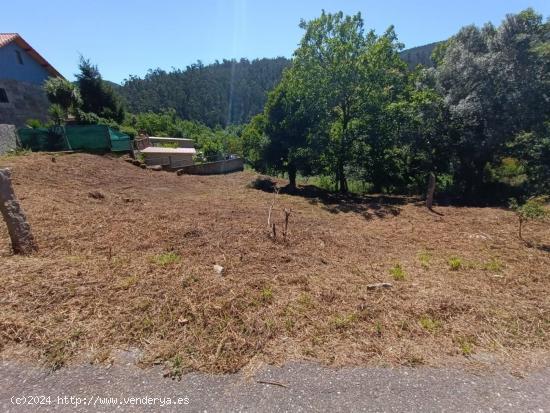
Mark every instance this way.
x=128 y=37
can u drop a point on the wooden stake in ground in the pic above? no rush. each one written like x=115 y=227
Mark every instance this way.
x=22 y=241
x=287 y=216
x=431 y=190
x=271 y=225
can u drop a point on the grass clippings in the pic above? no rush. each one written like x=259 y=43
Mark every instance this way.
x=135 y=270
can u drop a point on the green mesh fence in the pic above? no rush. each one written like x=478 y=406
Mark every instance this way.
x=119 y=141
x=92 y=138
x=42 y=139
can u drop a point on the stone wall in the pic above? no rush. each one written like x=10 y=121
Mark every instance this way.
x=25 y=101
x=213 y=168
x=8 y=138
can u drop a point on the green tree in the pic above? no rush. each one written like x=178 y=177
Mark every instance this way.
x=495 y=84
x=534 y=209
x=533 y=150
x=97 y=96
x=63 y=93
x=383 y=111
x=337 y=107
x=254 y=142
x=329 y=71
x=423 y=132
x=287 y=127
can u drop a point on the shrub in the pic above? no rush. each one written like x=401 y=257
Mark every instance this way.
x=397 y=272
x=63 y=93
x=128 y=130
x=429 y=324
x=171 y=145
x=166 y=258
x=341 y=322
x=493 y=265
x=455 y=263
x=57 y=113
x=267 y=294
x=424 y=258
x=534 y=209
x=466 y=347
x=34 y=123
x=19 y=152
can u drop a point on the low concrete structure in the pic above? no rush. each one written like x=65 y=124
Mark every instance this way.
x=172 y=158
x=214 y=168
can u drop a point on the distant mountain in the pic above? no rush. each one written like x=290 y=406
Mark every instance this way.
x=419 y=55
x=222 y=93
x=114 y=85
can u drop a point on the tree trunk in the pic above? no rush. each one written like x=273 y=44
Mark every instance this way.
x=341 y=178
x=291 y=177
x=343 y=143
x=431 y=190
x=22 y=240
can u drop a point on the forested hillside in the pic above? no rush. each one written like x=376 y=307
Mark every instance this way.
x=421 y=55
x=223 y=93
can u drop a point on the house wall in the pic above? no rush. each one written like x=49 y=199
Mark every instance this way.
x=30 y=71
x=25 y=101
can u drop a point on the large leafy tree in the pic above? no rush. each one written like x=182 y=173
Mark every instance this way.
x=382 y=114
x=287 y=126
x=495 y=85
x=97 y=96
x=348 y=81
x=329 y=72
x=422 y=134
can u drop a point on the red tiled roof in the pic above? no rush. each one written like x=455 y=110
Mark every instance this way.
x=6 y=38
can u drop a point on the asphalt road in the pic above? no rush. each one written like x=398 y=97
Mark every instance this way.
x=298 y=387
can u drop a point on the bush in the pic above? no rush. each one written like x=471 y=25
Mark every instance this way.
x=57 y=113
x=128 y=130
x=34 y=124
x=63 y=93
x=534 y=209
x=455 y=263
x=397 y=272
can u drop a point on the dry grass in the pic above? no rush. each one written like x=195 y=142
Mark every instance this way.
x=135 y=269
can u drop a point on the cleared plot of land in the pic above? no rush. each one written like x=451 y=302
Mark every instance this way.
x=134 y=268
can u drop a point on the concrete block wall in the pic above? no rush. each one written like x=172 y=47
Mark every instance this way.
x=213 y=168
x=25 y=101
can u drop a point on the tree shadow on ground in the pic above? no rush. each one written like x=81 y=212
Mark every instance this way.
x=368 y=206
x=540 y=247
